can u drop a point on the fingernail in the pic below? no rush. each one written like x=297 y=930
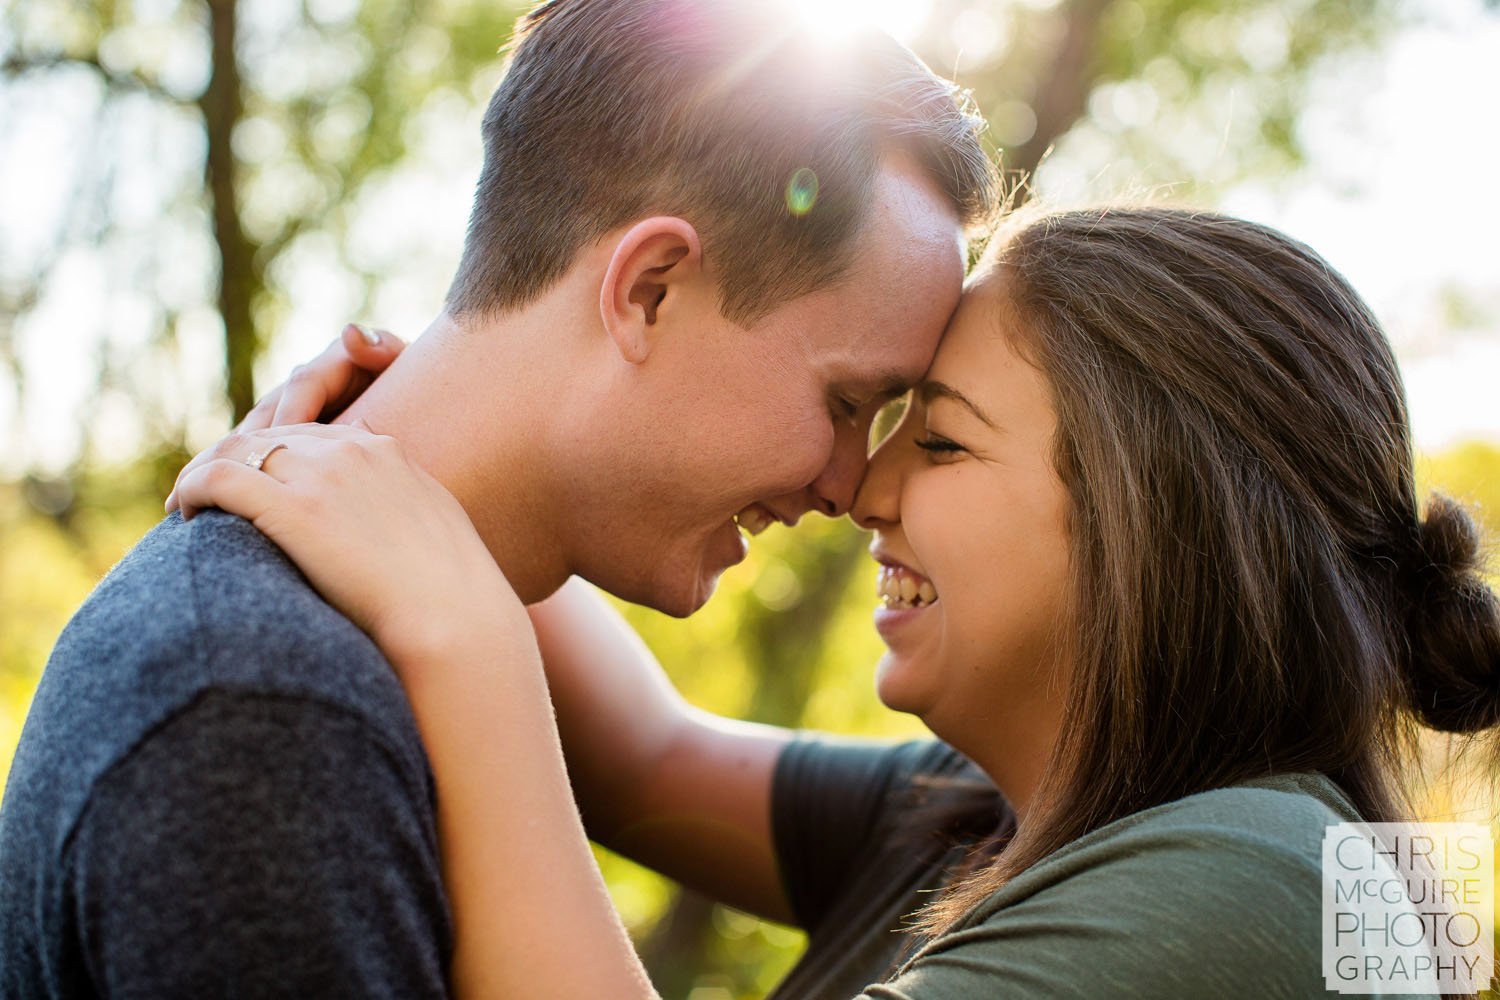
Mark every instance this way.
x=372 y=337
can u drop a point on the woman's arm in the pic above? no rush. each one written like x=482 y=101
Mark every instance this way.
x=678 y=789
x=531 y=913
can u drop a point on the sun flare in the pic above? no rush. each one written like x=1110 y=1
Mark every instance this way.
x=902 y=19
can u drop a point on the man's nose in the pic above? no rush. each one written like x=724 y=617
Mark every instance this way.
x=834 y=490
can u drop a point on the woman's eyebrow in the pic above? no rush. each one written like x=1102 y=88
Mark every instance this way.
x=930 y=390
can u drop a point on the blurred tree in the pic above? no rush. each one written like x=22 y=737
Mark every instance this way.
x=1197 y=92
x=217 y=137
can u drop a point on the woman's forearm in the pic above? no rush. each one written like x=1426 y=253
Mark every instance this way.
x=672 y=787
x=617 y=712
x=531 y=913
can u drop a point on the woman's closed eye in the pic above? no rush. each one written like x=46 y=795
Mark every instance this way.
x=939 y=449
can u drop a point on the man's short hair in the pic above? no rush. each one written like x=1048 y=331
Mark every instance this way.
x=728 y=113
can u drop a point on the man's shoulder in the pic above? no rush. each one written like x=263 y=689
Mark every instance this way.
x=203 y=663
x=214 y=602
x=196 y=608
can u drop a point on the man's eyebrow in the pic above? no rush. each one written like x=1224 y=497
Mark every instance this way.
x=930 y=390
x=882 y=387
x=892 y=385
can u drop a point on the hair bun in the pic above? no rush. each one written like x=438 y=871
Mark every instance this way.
x=1454 y=668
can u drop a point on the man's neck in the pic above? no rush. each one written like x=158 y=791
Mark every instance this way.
x=469 y=414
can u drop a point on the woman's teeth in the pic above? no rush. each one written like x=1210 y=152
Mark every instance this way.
x=901 y=588
x=754 y=519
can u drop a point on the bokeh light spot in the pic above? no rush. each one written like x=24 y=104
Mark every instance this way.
x=801 y=191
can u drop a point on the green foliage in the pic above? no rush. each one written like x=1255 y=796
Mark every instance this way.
x=330 y=104
x=59 y=540
x=1140 y=93
x=1470 y=474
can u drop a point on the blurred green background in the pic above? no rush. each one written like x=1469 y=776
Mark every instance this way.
x=196 y=195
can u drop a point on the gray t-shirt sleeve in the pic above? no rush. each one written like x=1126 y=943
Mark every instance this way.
x=831 y=800
x=260 y=846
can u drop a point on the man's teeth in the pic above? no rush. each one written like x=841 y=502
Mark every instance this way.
x=901 y=588
x=754 y=520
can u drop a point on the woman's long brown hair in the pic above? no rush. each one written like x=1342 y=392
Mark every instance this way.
x=1254 y=591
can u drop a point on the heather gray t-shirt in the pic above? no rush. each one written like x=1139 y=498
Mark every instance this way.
x=219 y=792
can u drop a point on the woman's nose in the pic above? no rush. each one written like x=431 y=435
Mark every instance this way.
x=877 y=504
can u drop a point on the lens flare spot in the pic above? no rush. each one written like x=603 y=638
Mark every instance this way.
x=801 y=191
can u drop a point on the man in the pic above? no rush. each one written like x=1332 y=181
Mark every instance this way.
x=703 y=250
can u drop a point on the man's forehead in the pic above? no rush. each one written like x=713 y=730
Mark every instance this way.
x=879 y=327
x=883 y=354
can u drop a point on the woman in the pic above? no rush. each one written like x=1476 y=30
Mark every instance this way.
x=1152 y=560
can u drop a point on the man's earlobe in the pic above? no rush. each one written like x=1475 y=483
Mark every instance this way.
x=650 y=264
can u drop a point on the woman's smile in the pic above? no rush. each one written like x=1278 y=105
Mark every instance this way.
x=903 y=587
x=906 y=595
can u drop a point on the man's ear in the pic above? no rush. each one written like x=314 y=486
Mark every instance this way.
x=650 y=264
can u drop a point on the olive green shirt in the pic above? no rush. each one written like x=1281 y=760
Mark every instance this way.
x=1215 y=895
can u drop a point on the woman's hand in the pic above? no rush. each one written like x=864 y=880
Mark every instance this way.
x=377 y=536
x=317 y=391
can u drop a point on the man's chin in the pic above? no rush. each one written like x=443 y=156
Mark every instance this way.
x=683 y=601
x=676 y=594
x=676 y=582
x=681 y=591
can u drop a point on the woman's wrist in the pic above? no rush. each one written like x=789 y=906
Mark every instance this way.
x=467 y=626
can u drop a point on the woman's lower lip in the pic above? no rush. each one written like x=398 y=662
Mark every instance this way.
x=890 y=621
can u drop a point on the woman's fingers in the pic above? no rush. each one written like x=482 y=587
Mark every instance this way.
x=317 y=390
x=261 y=413
x=371 y=349
x=323 y=492
x=207 y=455
x=238 y=445
x=280 y=454
x=330 y=382
x=229 y=485
x=332 y=379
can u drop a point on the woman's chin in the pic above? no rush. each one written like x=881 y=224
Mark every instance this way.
x=898 y=685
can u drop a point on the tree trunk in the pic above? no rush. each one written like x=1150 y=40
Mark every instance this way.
x=222 y=105
x=784 y=644
x=1063 y=95
x=783 y=647
x=673 y=952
